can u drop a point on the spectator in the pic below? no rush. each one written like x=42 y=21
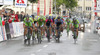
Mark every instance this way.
x=11 y=11
x=16 y=17
x=4 y=12
x=13 y=16
x=22 y=16
x=7 y=28
x=2 y=17
x=8 y=17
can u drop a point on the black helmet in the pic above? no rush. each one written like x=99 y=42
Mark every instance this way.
x=58 y=17
x=49 y=17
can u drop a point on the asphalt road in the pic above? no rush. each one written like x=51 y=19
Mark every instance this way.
x=87 y=44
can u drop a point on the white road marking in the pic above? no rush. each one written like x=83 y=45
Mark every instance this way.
x=32 y=54
x=39 y=50
x=45 y=46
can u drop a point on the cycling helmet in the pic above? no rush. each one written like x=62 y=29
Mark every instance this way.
x=58 y=17
x=50 y=17
x=27 y=16
x=75 y=18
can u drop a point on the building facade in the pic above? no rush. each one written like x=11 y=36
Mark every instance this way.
x=85 y=7
x=44 y=6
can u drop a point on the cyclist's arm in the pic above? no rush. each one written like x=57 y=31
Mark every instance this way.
x=24 y=23
x=79 y=24
x=38 y=23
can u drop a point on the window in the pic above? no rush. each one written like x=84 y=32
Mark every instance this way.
x=88 y=8
x=80 y=8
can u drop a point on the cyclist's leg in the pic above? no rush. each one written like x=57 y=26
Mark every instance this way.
x=77 y=31
x=50 y=29
x=41 y=30
x=25 y=32
x=56 y=31
x=31 y=30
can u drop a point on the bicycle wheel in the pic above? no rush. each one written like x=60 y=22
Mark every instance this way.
x=39 y=37
x=28 y=41
x=48 y=35
x=67 y=32
x=58 y=36
x=33 y=37
x=75 y=37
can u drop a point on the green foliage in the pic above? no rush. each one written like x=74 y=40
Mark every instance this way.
x=33 y=1
x=68 y=3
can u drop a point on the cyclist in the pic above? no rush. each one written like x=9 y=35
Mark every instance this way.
x=63 y=24
x=49 y=23
x=28 y=22
x=53 y=25
x=58 y=24
x=35 y=23
x=41 y=23
x=68 y=23
x=75 y=25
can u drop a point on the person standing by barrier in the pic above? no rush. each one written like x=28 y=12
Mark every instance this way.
x=13 y=16
x=16 y=17
x=7 y=26
x=21 y=16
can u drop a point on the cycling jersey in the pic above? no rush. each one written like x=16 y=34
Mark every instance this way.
x=58 y=23
x=48 y=23
x=41 y=23
x=68 y=22
x=75 y=24
x=29 y=22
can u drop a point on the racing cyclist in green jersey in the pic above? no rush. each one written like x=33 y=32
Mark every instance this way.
x=41 y=23
x=28 y=22
x=75 y=25
x=68 y=24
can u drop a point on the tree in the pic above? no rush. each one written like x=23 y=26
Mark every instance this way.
x=33 y=1
x=70 y=4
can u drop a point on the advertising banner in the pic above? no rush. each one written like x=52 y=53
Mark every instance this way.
x=11 y=30
x=21 y=3
x=8 y=2
x=1 y=38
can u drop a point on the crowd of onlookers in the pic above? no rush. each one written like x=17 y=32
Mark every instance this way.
x=10 y=16
x=7 y=16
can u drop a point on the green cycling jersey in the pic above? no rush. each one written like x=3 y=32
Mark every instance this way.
x=29 y=22
x=76 y=23
x=68 y=22
x=41 y=23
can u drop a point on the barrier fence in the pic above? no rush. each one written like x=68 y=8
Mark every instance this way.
x=16 y=30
